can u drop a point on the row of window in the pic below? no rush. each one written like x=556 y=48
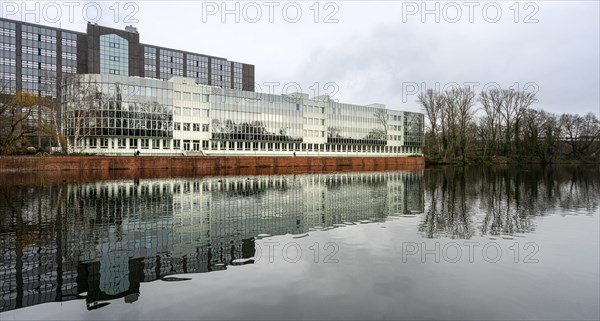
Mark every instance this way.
x=38 y=37
x=191 y=127
x=198 y=145
x=132 y=143
x=314 y=121
x=194 y=145
x=179 y=95
x=314 y=133
x=314 y=109
x=195 y=112
x=38 y=51
x=7 y=39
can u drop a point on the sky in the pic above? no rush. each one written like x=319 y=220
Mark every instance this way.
x=364 y=52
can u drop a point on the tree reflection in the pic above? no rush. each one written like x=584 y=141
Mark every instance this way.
x=464 y=202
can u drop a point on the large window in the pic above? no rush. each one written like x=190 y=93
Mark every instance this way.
x=106 y=105
x=114 y=55
x=8 y=62
x=39 y=60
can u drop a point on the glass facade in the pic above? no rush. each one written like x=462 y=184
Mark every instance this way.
x=237 y=75
x=354 y=124
x=98 y=107
x=216 y=121
x=39 y=60
x=69 y=53
x=197 y=68
x=171 y=64
x=221 y=73
x=114 y=55
x=8 y=60
x=46 y=52
x=149 y=62
x=249 y=116
x=413 y=129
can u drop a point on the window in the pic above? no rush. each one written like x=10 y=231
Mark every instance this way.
x=196 y=112
x=155 y=144
x=196 y=127
x=186 y=127
x=114 y=55
x=205 y=98
x=121 y=142
x=177 y=144
x=205 y=128
x=93 y=143
x=187 y=112
x=166 y=144
x=205 y=113
x=103 y=142
x=133 y=143
x=144 y=143
x=177 y=126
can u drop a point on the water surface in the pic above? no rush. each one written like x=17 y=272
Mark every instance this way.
x=442 y=243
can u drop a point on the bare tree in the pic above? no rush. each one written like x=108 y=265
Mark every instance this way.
x=581 y=133
x=81 y=110
x=541 y=135
x=432 y=104
x=459 y=102
x=489 y=129
x=514 y=105
x=15 y=114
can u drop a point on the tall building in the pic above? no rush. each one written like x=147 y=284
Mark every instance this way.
x=34 y=58
x=120 y=115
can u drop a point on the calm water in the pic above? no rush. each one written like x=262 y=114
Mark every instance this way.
x=444 y=243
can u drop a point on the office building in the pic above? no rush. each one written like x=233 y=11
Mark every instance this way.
x=34 y=58
x=120 y=115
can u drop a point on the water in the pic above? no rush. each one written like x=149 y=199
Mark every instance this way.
x=442 y=243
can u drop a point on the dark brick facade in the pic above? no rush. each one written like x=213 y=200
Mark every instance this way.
x=88 y=54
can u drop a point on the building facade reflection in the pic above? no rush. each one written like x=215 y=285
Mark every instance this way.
x=100 y=240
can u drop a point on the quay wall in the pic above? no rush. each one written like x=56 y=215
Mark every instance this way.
x=104 y=163
x=50 y=170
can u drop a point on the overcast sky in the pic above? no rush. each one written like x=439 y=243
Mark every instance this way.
x=380 y=51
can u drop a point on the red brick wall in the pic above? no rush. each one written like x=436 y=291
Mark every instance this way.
x=76 y=163
x=74 y=169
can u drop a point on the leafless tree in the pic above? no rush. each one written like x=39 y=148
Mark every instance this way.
x=432 y=104
x=459 y=102
x=15 y=112
x=489 y=129
x=581 y=132
x=81 y=110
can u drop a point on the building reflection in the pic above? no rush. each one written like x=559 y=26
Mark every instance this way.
x=100 y=240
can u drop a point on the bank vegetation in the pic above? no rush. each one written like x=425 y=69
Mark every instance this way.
x=503 y=126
